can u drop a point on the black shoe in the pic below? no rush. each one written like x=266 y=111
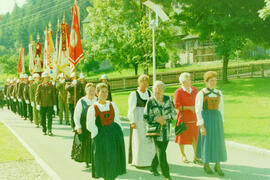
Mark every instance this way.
x=67 y=123
x=44 y=133
x=207 y=169
x=60 y=122
x=87 y=165
x=37 y=126
x=218 y=170
x=50 y=133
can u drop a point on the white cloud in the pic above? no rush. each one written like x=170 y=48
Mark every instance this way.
x=8 y=5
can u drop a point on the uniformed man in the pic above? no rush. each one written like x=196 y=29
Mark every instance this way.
x=83 y=83
x=104 y=79
x=10 y=91
x=2 y=98
x=71 y=87
x=26 y=95
x=23 y=105
x=15 y=96
x=7 y=84
x=46 y=103
x=62 y=99
x=33 y=89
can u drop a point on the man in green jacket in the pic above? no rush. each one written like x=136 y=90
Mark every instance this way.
x=33 y=89
x=71 y=87
x=46 y=103
x=62 y=99
x=26 y=95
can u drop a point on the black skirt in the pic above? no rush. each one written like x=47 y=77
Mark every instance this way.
x=109 y=159
x=81 y=148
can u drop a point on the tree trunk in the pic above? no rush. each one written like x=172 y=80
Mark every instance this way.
x=136 y=68
x=225 y=68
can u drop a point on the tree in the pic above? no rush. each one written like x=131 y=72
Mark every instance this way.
x=121 y=35
x=227 y=23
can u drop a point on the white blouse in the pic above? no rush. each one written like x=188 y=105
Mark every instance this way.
x=78 y=110
x=91 y=116
x=199 y=105
x=132 y=102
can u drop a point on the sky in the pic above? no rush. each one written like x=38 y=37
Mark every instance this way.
x=7 y=5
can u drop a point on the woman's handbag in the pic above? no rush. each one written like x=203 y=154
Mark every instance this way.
x=76 y=152
x=153 y=130
x=181 y=127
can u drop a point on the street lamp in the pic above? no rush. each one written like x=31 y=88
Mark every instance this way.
x=153 y=24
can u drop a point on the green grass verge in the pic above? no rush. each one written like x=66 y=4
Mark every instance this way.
x=10 y=148
x=247 y=115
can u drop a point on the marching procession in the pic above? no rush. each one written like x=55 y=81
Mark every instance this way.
x=97 y=128
x=53 y=89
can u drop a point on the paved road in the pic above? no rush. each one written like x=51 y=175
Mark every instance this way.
x=242 y=164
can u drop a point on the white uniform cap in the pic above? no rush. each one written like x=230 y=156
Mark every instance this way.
x=21 y=76
x=104 y=76
x=44 y=74
x=82 y=76
x=25 y=76
x=11 y=81
x=36 y=75
x=30 y=78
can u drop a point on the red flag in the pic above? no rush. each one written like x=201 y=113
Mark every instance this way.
x=75 y=46
x=21 y=61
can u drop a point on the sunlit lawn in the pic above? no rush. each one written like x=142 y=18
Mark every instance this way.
x=10 y=148
x=247 y=109
x=130 y=71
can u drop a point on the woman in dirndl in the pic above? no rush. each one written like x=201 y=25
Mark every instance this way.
x=81 y=149
x=209 y=107
x=184 y=102
x=142 y=148
x=103 y=121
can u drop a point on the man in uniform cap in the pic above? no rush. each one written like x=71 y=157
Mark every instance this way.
x=23 y=105
x=71 y=87
x=6 y=93
x=104 y=79
x=10 y=91
x=33 y=89
x=15 y=96
x=26 y=95
x=62 y=99
x=83 y=83
x=46 y=103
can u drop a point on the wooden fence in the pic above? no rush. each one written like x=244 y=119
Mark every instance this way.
x=250 y=70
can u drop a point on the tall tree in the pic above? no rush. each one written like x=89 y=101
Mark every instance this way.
x=228 y=23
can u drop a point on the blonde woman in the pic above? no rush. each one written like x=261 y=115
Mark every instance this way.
x=209 y=107
x=142 y=148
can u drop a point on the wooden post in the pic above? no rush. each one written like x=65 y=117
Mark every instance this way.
x=262 y=70
x=252 y=70
x=75 y=88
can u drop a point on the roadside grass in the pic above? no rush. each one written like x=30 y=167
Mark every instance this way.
x=247 y=104
x=10 y=148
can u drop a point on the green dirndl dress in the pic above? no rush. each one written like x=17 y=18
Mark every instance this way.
x=211 y=148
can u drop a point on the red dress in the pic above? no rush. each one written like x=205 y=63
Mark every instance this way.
x=183 y=98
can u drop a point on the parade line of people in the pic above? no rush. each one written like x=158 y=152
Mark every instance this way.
x=95 y=120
